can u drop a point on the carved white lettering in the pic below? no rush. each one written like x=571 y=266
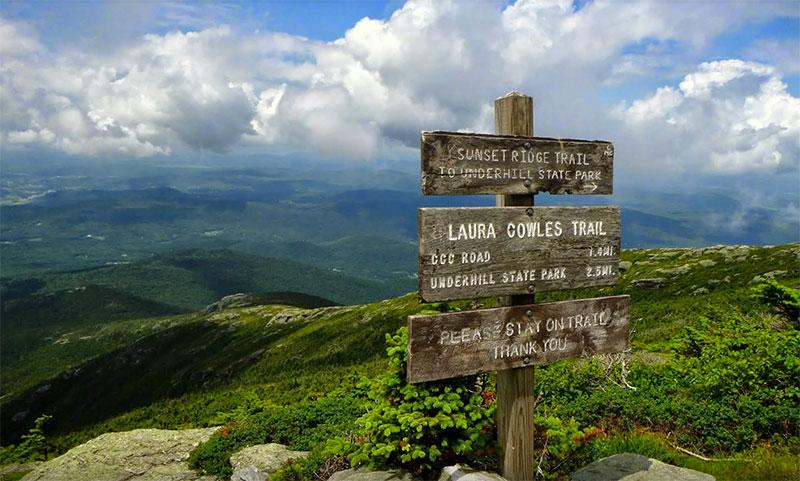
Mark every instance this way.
x=471 y=231
x=522 y=230
x=587 y=228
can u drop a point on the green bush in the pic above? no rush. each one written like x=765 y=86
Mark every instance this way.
x=320 y=464
x=741 y=385
x=733 y=382
x=562 y=447
x=783 y=299
x=32 y=448
x=422 y=427
x=302 y=426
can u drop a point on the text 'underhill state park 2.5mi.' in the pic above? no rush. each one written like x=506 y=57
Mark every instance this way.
x=515 y=250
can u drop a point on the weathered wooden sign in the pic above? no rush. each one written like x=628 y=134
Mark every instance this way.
x=468 y=253
x=457 y=163
x=462 y=343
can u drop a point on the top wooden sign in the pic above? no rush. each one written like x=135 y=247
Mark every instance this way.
x=455 y=163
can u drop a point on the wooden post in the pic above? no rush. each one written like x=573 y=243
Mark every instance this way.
x=513 y=115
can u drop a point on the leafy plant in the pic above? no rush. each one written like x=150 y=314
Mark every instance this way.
x=785 y=300
x=33 y=446
x=304 y=426
x=422 y=426
x=742 y=385
x=319 y=464
x=731 y=384
x=562 y=446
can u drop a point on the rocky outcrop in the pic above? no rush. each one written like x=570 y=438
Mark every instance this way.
x=140 y=455
x=465 y=473
x=675 y=271
x=362 y=474
x=234 y=300
x=7 y=471
x=256 y=463
x=652 y=283
x=634 y=467
x=767 y=276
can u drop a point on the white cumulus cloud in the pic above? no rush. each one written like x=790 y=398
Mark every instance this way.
x=430 y=65
x=728 y=116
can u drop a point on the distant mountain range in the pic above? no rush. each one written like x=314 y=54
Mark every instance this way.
x=342 y=221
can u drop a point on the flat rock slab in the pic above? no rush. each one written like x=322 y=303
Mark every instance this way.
x=367 y=475
x=255 y=463
x=634 y=467
x=465 y=473
x=140 y=455
x=653 y=283
x=16 y=468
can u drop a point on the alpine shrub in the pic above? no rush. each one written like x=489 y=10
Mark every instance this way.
x=32 y=448
x=781 y=298
x=422 y=427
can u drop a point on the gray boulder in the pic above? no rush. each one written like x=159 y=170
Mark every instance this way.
x=675 y=271
x=361 y=474
x=232 y=301
x=652 y=283
x=7 y=471
x=140 y=455
x=767 y=275
x=256 y=463
x=634 y=467
x=625 y=265
x=249 y=473
x=465 y=473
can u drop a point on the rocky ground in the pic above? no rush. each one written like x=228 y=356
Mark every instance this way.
x=162 y=455
x=139 y=455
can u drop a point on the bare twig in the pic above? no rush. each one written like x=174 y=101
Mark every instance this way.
x=699 y=456
x=610 y=361
x=539 y=470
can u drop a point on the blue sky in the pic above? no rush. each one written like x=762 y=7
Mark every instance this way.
x=706 y=86
x=70 y=21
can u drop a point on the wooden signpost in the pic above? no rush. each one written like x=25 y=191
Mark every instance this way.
x=514 y=250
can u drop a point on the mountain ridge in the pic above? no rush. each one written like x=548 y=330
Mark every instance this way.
x=181 y=370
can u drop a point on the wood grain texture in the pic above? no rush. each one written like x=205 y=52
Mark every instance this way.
x=516 y=402
x=456 y=344
x=549 y=256
x=460 y=163
x=513 y=115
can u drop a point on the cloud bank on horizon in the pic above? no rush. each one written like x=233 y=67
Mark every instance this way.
x=674 y=106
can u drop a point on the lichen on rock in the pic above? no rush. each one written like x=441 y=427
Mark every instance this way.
x=256 y=463
x=139 y=455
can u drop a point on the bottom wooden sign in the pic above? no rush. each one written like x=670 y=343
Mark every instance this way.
x=462 y=343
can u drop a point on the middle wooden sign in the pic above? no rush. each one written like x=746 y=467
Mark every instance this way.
x=467 y=253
